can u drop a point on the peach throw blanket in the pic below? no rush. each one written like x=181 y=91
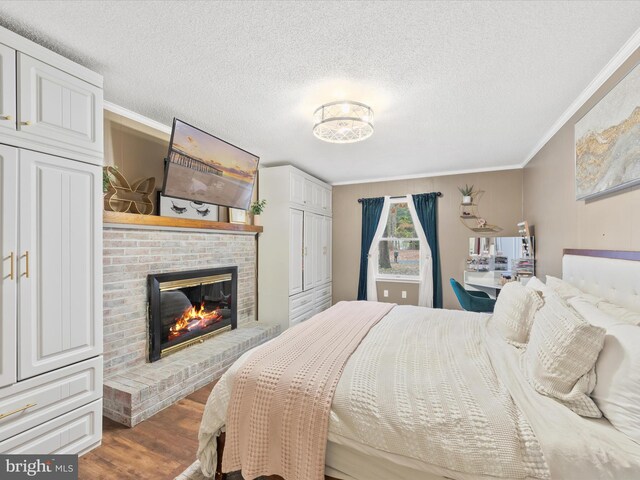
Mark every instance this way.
x=278 y=416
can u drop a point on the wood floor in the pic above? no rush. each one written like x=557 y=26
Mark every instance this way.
x=159 y=448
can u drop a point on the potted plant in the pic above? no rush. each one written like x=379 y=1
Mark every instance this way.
x=256 y=210
x=467 y=194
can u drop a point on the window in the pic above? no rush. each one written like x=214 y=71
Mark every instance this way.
x=399 y=247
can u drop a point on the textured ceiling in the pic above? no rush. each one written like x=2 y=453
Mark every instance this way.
x=454 y=85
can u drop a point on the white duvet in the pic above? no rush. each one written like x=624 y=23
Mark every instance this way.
x=437 y=392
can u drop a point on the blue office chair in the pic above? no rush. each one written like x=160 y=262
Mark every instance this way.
x=472 y=301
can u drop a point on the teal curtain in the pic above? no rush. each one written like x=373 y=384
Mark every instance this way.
x=427 y=209
x=371 y=212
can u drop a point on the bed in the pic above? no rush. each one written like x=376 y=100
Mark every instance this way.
x=432 y=394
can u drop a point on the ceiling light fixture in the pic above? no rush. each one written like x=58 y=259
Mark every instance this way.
x=343 y=122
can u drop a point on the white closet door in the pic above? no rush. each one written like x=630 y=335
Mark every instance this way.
x=8 y=273
x=326 y=250
x=310 y=250
x=318 y=257
x=296 y=228
x=60 y=264
x=7 y=87
x=58 y=107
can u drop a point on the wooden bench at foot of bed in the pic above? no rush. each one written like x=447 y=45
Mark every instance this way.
x=223 y=476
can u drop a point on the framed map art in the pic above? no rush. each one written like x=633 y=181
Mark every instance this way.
x=607 y=140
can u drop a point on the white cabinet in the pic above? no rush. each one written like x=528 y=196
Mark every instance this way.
x=47 y=396
x=296 y=234
x=326 y=200
x=297 y=230
x=72 y=433
x=7 y=87
x=58 y=108
x=315 y=195
x=8 y=273
x=296 y=188
x=59 y=262
x=308 y=192
x=50 y=250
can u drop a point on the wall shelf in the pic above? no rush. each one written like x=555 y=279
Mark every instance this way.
x=119 y=218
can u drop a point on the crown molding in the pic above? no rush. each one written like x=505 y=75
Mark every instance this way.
x=610 y=68
x=429 y=175
x=136 y=117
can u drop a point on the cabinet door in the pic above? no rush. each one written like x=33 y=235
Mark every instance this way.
x=296 y=223
x=7 y=87
x=58 y=107
x=308 y=192
x=326 y=250
x=310 y=250
x=318 y=248
x=60 y=264
x=317 y=196
x=8 y=274
x=326 y=200
x=296 y=188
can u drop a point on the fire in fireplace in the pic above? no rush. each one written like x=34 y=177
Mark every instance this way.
x=187 y=307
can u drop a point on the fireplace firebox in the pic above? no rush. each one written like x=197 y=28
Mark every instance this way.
x=188 y=307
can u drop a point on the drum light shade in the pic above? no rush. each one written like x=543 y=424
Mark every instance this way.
x=343 y=122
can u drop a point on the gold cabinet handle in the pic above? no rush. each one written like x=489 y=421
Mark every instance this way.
x=26 y=258
x=27 y=123
x=6 y=117
x=18 y=410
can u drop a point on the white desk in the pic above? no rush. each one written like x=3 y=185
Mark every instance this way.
x=487 y=282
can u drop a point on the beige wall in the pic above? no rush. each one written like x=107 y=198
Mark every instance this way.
x=137 y=151
x=501 y=205
x=549 y=199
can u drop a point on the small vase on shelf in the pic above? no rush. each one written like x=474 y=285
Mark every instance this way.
x=256 y=210
x=467 y=194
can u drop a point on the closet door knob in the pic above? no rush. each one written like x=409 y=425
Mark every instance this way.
x=26 y=124
x=6 y=117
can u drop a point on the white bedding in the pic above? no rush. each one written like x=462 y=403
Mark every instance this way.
x=435 y=393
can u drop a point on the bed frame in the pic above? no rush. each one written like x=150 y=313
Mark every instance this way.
x=610 y=274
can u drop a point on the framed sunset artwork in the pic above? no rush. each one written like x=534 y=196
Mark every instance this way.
x=607 y=141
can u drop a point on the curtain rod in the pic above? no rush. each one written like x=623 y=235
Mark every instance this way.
x=438 y=194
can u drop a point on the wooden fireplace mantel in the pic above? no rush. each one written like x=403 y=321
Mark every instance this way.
x=118 y=218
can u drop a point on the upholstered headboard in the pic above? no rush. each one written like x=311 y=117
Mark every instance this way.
x=613 y=275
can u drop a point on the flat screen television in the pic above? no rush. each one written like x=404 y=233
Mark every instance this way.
x=203 y=168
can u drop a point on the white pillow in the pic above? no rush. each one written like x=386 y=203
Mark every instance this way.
x=592 y=313
x=621 y=313
x=514 y=311
x=560 y=357
x=617 y=391
x=536 y=284
x=564 y=289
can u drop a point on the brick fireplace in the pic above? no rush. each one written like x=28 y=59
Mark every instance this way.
x=135 y=388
